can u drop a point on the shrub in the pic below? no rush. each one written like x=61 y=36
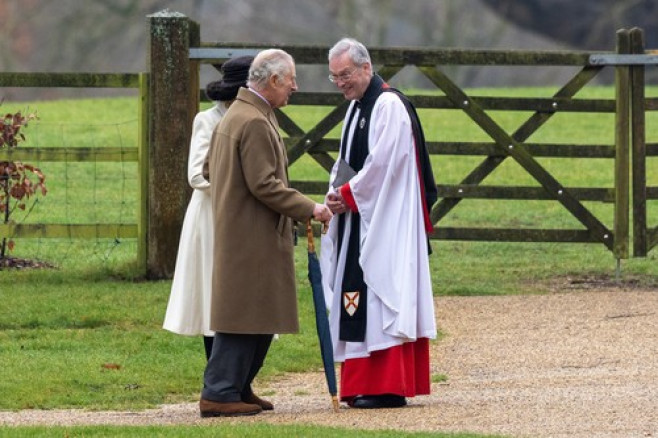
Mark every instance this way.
x=18 y=180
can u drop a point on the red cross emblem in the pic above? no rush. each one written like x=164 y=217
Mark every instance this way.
x=351 y=302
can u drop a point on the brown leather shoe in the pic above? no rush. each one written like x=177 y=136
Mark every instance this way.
x=209 y=408
x=255 y=400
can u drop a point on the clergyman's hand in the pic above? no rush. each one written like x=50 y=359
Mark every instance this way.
x=336 y=203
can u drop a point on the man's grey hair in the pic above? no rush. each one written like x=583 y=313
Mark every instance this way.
x=268 y=63
x=356 y=50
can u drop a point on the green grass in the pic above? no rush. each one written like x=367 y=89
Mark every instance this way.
x=226 y=431
x=59 y=327
x=64 y=327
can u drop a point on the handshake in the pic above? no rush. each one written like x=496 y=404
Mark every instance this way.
x=324 y=212
x=321 y=213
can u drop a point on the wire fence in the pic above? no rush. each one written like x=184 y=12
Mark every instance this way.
x=86 y=185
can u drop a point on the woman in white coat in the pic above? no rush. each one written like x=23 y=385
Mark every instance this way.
x=188 y=311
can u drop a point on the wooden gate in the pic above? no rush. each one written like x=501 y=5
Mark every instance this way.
x=504 y=145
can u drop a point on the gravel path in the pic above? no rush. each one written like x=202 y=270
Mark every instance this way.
x=582 y=364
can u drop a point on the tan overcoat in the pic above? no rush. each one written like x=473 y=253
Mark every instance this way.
x=253 y=290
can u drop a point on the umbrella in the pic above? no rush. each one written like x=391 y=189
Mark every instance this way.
x=321 y=320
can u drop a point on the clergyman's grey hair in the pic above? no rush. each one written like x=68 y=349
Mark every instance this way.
x=357 y=51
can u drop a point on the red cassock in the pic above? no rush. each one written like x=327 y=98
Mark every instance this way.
x=402 y=370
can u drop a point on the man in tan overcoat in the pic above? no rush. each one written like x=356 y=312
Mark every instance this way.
x=253 y=290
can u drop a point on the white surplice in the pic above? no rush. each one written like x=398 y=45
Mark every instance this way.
x=188 y=310
x=394 y=257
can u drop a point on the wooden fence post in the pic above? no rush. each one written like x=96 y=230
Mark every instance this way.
x=638 y=140
x=622 y=161
x=169 y=135
x=143 y=169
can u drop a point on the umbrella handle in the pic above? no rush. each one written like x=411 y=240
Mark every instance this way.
x=309 y=236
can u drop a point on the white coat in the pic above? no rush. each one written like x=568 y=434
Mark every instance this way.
x=188 y=311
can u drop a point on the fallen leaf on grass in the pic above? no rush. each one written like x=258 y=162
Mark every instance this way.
x=111 y=366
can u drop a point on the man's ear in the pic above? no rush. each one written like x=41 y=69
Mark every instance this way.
x=273 y=80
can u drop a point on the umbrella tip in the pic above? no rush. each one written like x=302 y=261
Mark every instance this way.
x=334 y=401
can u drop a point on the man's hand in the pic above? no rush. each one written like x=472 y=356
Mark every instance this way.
x=321 y=213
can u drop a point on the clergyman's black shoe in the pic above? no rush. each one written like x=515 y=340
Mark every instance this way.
x=378 y=401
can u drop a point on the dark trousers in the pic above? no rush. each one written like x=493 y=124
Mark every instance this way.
x=207 y=345
x=234 y=362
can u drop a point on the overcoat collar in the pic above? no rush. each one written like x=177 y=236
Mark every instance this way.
x=252 y=98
